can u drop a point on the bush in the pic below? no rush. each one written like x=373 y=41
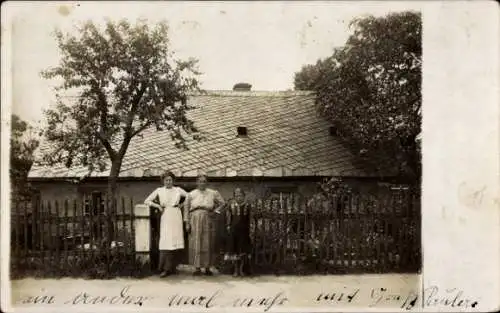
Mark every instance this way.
x=78 y=266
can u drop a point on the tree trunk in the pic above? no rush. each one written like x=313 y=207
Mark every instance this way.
x=111 y=199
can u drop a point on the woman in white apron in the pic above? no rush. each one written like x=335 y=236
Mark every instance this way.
x=166 y=199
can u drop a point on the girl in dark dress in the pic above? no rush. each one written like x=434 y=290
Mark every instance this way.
x=238 y=244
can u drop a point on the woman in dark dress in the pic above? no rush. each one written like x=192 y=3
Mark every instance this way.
x=238 y=244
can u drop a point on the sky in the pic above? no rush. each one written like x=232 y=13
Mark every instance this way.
x=261 y=43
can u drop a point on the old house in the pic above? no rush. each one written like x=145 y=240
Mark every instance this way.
x=271 y=144
x=265 y=142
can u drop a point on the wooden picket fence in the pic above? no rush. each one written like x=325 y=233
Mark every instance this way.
x=68 y=236
x=347 y=233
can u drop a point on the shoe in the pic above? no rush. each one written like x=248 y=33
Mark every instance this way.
x=164 y=274
x=209 y=273
x=197 y=273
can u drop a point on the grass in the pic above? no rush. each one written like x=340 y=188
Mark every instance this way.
x=88 y=267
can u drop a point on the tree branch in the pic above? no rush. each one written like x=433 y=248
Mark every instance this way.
x=141 y=128
x=102 y=105
x=124 y=147
x=107 y=145
x=415 y=58
x=133 y=109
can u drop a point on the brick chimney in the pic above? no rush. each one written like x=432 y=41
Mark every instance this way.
x=242 y=87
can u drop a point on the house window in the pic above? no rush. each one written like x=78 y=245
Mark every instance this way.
x=242 y=131
x=94 y=203
x=333 y=131
x=283 y=194
x=284 y=191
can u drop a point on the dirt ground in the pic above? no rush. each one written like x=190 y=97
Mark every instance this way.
x=219 y=293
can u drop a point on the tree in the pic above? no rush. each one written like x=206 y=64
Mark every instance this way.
x=126 y=80
x=22 y=146
x=311 y=76
x=370 y=89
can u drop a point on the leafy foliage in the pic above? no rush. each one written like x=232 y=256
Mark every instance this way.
x=126 y=81
x=22 y=146
x=370 y=89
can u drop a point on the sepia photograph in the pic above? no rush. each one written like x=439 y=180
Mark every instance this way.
x=189 y=155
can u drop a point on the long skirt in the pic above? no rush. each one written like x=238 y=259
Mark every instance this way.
x=169 y=259
x=202 y=239
x=171 y=229
x=238 y=243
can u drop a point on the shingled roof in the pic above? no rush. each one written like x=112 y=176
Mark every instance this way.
x=285 y=137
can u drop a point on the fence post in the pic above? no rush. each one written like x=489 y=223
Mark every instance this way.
x=142 y=232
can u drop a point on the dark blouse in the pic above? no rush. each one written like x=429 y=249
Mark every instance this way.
x=237 y=216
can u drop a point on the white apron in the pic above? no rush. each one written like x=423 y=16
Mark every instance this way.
x=171 y=224
x=171 y=229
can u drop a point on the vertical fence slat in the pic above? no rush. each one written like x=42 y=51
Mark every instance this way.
x=396 y=230
x=58 y=235
x=263 y=237
x=108 y=219
x=33 y=231
x=404 y=228
x=368 y=228
x=259 y=228
x=66 y=232
x=400 y=230
x=360 y=235
x=82 y=226
x=15 y=211
x=128 y=227
x=388 y=236
x=50 y=241
x=254 y=232
x=36 y=234
x=407 y=231
x=90 y=221
x=124 y=227
x=98 y=225
x=132 y=226
x=106 y=231
x=75 y=226
x=115 y=221
x=355 y=234
x=341 y=244
x=375 y=217
x=349 y=230
x=418 y=228
x=366 y=231
x=284 y=230
x=25 y=231
x=301 y=223
x=41 y=233
x=334 y=218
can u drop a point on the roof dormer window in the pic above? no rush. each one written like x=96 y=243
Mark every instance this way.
x=333 y=131
x=242 y=131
